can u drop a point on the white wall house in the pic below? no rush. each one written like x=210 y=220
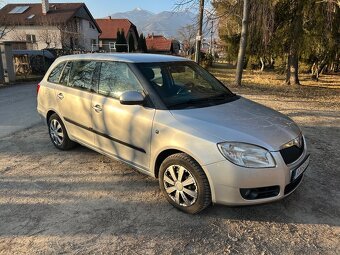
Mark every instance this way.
x=47 y=25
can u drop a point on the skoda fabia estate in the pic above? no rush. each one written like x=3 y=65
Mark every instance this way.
x=171 y=119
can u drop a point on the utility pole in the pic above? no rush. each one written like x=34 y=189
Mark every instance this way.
x=211 y=37
x=199 y=33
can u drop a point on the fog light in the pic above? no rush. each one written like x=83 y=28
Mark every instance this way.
x=258 y=193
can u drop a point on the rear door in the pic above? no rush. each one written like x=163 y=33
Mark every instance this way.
x=121 y=130
x=74 y=97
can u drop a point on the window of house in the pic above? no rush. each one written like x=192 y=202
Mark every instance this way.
x=91 y=25
x=94 y=42
x=31 y=38
x=18 y=9
x=55 y=74
x=31 y=16
x=81 y=74
x=117 y=78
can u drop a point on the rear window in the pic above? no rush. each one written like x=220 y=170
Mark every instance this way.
x=56 y=72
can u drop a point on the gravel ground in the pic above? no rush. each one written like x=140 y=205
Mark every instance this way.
x=81 y=202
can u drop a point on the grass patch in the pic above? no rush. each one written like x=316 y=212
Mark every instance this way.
x=326 y=90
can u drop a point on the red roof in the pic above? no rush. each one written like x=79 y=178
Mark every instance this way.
x=110 y=27
x=158 y=43
x=58 y=13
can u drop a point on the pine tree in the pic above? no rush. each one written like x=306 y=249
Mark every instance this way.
x=144 y=46
x=131 y=44
x=124 y=41
x=140 y=43
x=119 y=41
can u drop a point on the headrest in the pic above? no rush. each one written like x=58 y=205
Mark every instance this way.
x=149 y=73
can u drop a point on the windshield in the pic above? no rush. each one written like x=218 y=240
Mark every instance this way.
x=185 y=85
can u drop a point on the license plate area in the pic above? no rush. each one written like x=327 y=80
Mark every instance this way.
x=299 y=170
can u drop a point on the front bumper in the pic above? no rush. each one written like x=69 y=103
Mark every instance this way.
x=228 y=180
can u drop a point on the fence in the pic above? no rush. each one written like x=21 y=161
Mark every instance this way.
x=109 y=47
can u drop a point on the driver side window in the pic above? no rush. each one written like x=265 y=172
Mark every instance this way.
x=117 y=78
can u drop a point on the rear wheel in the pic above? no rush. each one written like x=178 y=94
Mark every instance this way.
x=58 y=133
x=184 y=183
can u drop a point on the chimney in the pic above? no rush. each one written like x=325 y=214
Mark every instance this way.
x=45 y=6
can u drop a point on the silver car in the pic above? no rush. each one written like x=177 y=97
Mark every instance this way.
x=171 y=119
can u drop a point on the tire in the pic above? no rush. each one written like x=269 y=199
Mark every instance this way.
x=184 y=183
x=58 y=133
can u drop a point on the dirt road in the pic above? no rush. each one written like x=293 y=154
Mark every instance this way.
x=80 y=202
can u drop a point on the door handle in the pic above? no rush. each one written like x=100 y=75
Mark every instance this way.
x=97 y=108
x=60 y=96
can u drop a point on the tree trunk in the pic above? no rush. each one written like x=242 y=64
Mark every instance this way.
x=295 y=36
x=262 y=64
x=292 y=71
x=243 y=43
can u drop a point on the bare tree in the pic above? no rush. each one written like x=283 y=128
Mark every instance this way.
x=50 y=37
x=19 y=35
x=5 y=27
x=187 y=35
x=69 y=35
x=192 y=4
x=243 y=43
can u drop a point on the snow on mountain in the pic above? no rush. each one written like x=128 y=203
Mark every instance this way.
x=165 y=23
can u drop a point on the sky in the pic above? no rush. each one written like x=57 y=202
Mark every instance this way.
x=102 y=8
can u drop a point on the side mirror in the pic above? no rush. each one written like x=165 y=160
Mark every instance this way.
x=132 y=98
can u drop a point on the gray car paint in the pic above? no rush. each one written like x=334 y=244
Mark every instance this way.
x=243 y=121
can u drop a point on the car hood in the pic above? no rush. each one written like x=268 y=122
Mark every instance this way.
x=241 y=120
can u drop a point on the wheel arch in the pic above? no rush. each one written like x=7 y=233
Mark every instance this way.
x=49 y=114
x=170 y=151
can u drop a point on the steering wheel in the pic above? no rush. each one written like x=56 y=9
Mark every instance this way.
x=185 y=89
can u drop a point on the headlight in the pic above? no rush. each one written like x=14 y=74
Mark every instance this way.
x=247 y=155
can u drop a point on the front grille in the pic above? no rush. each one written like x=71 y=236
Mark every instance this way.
x=292 y=153
x=291 y=186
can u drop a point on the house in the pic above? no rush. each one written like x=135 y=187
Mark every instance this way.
x=160 y=44
x=49 y=25
x=110 y=27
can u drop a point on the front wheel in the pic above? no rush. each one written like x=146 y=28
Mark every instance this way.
x=58 y=133
x=184 y=183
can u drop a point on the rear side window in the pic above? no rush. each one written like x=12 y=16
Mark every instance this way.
x=116 y=78
x=56 y=72
x=81 y=74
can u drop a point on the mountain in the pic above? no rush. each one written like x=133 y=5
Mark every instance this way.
x=165 y=23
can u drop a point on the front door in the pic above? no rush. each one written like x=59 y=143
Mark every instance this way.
x=121 y=130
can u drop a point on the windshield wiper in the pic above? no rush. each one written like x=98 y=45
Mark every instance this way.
x=188 y=103
x=205 y=100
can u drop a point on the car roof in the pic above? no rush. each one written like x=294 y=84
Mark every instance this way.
x=124 y=57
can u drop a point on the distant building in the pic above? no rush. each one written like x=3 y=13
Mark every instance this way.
x=45 y=25
x=110 y=27
x=161 y=45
